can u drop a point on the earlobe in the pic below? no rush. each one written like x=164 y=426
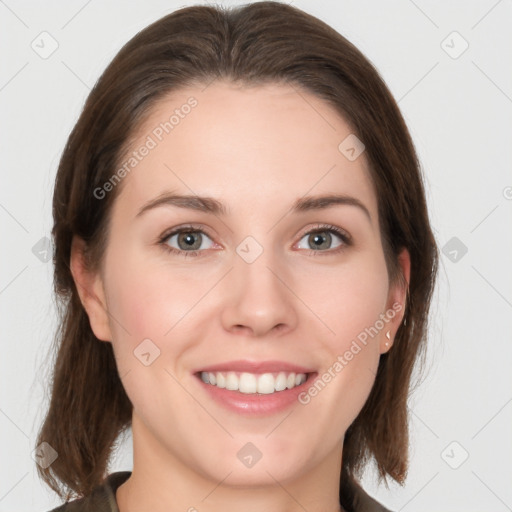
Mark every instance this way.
x=90 y=289
x=397 y=301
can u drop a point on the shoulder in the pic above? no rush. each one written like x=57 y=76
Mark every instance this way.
x=102 y=498
x=363 y=502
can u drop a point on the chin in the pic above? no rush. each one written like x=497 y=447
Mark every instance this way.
x=249 y=466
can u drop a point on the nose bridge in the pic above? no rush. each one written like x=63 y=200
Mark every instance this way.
x=258 y=275
x=257 y=296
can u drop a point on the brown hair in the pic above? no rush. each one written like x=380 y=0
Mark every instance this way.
x=259 y=43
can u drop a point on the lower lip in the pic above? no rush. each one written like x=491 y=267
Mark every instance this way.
x=256 y=404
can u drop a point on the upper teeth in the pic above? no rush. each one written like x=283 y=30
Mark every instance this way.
x=254 y=383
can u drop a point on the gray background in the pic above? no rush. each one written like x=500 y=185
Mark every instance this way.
x=458 y=107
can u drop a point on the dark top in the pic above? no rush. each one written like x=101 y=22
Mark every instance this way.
x=103 y=498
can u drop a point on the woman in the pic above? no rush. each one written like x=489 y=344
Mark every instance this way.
x=245 y=262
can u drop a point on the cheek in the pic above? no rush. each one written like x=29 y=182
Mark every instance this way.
x=153 y=309
x=349 y=300
x=146 y=304
x=142 y=306
x=352 y=305
x=149 y=299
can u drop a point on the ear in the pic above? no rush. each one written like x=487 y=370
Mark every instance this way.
x=91 y=291
x=395 y=308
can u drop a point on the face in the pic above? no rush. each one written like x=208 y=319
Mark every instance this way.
x=263 y=278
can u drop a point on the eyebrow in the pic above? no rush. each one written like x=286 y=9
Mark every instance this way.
x=215 y=207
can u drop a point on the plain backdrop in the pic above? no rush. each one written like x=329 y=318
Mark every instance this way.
x=448 y=64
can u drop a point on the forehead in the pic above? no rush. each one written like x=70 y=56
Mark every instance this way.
x=253 y=144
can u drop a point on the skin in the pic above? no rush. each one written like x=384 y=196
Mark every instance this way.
x=257 y=150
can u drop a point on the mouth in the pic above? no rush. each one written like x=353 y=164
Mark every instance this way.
x=249 y=383
x=255 y=388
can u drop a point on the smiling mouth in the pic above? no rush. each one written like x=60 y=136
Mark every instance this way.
x=254 y=383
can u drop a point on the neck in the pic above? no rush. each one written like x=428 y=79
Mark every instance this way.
x=161 y=481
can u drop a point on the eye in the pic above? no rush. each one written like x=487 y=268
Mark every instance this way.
x=186 y=241
x=321 y=239
x=190 y=241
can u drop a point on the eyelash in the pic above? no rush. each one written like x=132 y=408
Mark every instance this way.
x=321 y=228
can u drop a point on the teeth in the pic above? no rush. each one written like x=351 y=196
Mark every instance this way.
x=221 y=381
x=281 y=381
x=266 y=384
x=249 y=383
x=231 y=382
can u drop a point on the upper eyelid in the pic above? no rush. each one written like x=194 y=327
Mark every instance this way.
x=177 y=230
x=326 y=227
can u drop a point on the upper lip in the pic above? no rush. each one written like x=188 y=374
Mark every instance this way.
x=255 y=367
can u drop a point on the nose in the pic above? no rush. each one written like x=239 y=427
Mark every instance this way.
x=258 y=299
